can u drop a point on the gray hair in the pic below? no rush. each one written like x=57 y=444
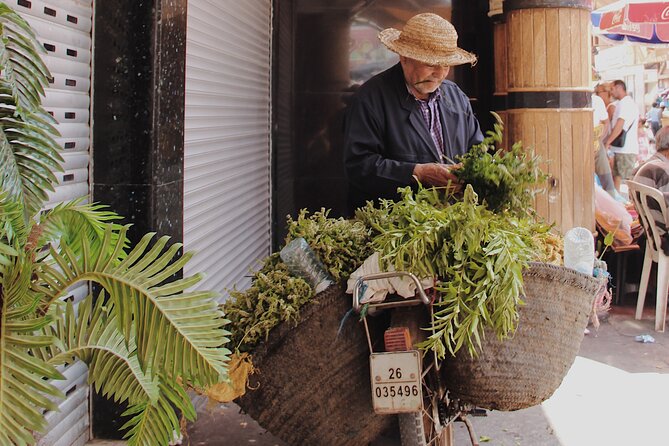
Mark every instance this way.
x=662 y=138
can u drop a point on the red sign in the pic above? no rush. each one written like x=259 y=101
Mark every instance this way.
x=655 y=12
x=647 y=21
x=612 y=19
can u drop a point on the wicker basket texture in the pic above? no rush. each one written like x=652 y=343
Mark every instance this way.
x=313 y=385
x=525 y=370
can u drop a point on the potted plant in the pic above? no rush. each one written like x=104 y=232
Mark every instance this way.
x=143 y=336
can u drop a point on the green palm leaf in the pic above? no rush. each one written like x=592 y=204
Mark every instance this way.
x=29 y=153
x=157 y=424
x=92 y=336
x=13 y=228
x=73 y=221
x=23 y=390
x=6 y=254
x=178 y=331
x=23 y=68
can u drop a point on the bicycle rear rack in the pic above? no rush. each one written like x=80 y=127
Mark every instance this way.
x=458 y=412
x=419 y=298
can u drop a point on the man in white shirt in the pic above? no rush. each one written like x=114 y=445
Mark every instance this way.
x=602 y=128
x=625 y=119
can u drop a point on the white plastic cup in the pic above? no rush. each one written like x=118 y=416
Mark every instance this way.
x=579 y=250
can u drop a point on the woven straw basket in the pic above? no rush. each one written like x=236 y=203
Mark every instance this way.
x=313 y=385
x=526 y=369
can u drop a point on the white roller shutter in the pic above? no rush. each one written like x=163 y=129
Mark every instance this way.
x=64 y=28
x=227 y=139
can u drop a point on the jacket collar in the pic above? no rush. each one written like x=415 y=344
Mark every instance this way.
x=415 y=117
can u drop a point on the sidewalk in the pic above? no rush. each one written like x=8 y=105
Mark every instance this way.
x=615 y=394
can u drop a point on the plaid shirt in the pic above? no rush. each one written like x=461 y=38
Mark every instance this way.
x=430 y=111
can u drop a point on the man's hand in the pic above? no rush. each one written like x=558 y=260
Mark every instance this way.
x=434 y=174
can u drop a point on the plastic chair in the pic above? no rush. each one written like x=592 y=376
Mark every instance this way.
x=648 y=201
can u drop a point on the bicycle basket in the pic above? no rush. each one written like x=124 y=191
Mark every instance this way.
x=528 y=367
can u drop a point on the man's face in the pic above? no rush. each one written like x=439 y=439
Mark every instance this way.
x=618 y=92
x=422 y=78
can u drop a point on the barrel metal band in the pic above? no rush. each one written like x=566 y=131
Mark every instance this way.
x=549 y=99
x=513 y=5
x=499 y=102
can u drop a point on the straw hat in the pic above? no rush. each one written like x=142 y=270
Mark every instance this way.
x=427 y=38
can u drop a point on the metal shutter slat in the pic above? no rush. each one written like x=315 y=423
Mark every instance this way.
x=75 y=160
x=68 y=429
x=65 y=192
x=76 y=400
x=67 y=11
x=66 y=99
x=64 y=28
x=70 y=115
x=227 y=134
x=69 y=66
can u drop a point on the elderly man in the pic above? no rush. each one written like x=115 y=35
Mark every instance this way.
x=655 y=173
x=409 y=123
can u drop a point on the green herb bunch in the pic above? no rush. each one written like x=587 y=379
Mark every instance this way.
x=342 y=245
x=478 y=257
x=274 y=297
x=409 y=232
x=506 y=180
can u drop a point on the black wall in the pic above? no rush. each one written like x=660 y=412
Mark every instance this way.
x=138 y=115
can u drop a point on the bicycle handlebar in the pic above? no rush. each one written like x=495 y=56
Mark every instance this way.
x=385 y=275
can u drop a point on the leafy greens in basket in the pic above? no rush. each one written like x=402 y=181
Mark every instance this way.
x=476 y=255
x=506 y=180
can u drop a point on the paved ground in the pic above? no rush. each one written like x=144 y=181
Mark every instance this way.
x=615 y=395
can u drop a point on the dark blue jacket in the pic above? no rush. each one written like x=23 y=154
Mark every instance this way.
x=385 y=135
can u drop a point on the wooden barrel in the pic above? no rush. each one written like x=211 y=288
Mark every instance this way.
x=548 y=98
x=501 y=82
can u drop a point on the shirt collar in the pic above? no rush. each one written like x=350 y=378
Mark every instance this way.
x=436 y=94
x=661 y=157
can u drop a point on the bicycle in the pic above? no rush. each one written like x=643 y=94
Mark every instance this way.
x=405 y=381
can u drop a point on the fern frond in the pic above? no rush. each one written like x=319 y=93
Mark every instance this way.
x=6 y=254
x=13 y=229
x=73 y=221
x=20 y=57
x=29 y=155
x=177 y=331
x=92 y=336
x=157 y=424
x=23 y=390
x=12 y=225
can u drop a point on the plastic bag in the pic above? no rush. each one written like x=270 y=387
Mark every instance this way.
x=302 y=262
x=613 y=217
x=377 y=290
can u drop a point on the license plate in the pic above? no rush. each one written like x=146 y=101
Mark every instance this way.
x=396 y=382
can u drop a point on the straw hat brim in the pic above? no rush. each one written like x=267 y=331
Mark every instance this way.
x=390 y=38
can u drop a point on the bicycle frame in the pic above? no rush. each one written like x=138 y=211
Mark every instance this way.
x=420 y=298
x=458 y=411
